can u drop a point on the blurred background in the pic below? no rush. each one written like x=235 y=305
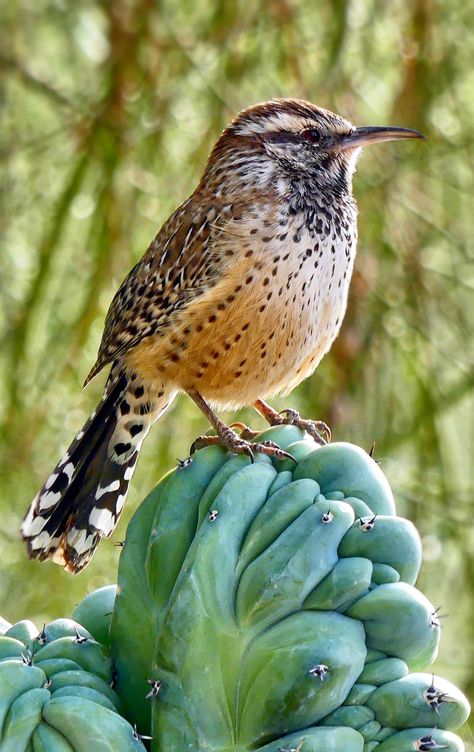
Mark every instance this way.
x=110 y=109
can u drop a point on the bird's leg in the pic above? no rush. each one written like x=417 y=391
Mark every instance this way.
x=319 y=431
x=230 y=439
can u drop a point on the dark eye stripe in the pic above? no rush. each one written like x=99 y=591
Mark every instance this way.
x=287 y=137
x=281 y=137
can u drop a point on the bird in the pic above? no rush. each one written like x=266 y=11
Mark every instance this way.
x=238 y=298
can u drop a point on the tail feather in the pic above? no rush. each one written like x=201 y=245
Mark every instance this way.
x=48 y=510
x=83 y=498
x=95 y=502
x=44 y=545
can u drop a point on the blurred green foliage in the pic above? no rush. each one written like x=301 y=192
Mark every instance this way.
x=110 y=109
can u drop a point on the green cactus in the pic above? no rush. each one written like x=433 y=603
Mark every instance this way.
x=55 y=693
x=261 y=606
x=94 y=612
x=272 y=607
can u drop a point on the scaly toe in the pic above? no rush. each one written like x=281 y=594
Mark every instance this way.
x=245 y=431
x=291 y=416
x=240 y=446
x=204 y=441
x=272 y=450
x=317 y=429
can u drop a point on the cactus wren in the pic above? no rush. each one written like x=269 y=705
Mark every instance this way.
x=238 y=297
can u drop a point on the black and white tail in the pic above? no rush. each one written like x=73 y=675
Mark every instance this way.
x=83 y=497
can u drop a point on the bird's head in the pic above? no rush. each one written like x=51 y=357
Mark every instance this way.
x=299 y=139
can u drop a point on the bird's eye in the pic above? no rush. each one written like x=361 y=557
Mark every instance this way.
x=312 y=135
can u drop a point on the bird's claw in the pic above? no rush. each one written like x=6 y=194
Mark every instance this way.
x=272 y=450
x=203 y=441
x=317 y=429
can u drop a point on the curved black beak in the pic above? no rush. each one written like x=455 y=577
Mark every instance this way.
x=369 y=134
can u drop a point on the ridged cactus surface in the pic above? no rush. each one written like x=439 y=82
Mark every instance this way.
x=55 y=687
x=268 y=606
x=271 y=606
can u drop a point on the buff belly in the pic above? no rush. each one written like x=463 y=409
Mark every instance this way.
x=257 y=333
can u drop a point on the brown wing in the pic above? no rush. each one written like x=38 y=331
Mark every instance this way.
x=184 y=260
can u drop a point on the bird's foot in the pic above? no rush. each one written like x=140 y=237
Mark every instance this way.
x=236 y=444
x=317 y=429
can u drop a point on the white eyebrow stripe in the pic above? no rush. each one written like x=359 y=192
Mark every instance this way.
x=276 y=122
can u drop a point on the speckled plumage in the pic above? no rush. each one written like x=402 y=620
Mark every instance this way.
x=238 y=297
